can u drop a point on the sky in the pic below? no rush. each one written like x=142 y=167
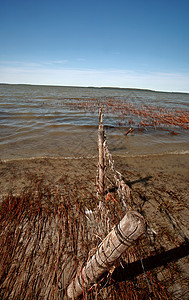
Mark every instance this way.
x=121 y=43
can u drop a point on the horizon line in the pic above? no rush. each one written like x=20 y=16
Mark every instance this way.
x=97 y=87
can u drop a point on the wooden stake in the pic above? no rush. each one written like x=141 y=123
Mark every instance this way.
x=101 y=167
x=116 y=242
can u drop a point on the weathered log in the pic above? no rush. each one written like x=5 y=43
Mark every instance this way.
x=129 y=229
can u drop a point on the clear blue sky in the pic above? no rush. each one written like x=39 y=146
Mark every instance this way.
x=123 y=43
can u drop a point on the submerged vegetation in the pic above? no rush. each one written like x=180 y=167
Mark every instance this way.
x=135 y=115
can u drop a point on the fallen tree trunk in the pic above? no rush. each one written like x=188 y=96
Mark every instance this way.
x=129 y=229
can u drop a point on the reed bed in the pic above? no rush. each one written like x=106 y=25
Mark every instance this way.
x=40 y=235
x=46 y=235
x=134 y=115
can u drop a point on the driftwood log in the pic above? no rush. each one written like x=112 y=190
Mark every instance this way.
x=129 y=229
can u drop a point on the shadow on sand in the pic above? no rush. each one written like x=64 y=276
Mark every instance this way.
x=131 y=270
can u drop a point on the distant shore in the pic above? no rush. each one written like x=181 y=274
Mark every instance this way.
x=94 y=87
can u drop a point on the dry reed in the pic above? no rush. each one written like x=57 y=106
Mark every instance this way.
x=47 y=235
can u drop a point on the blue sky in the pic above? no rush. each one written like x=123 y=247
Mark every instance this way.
x=131 y=44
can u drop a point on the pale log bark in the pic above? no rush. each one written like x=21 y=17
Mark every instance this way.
x=130 y=228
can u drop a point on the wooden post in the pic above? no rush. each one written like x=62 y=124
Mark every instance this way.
x=116 y=242
x=101 y=167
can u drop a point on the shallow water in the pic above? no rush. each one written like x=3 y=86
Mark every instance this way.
x=37 y=121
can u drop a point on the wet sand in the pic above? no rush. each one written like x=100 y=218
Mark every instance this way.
x=171 y=170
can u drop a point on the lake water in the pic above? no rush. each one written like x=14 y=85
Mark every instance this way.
x=40 y=121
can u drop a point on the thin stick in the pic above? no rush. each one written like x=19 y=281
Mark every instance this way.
x=101 y=166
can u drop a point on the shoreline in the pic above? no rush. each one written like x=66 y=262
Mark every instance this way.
x=121 y=156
